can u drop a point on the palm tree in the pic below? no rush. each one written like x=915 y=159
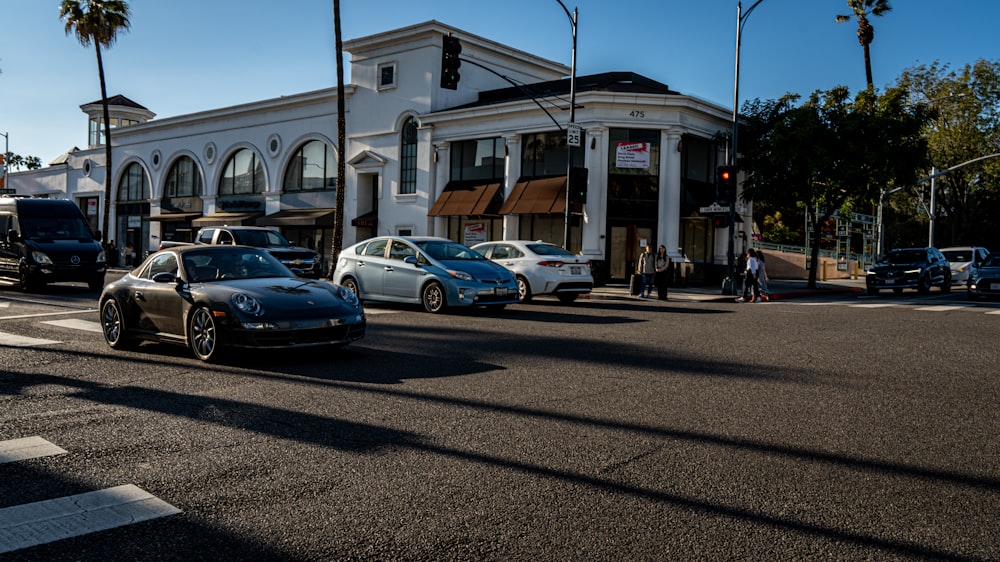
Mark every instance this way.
x=338 y=215
x=98 y=22
x=861 y=9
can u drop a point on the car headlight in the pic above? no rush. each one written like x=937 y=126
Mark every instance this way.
x=245 y=303
x=913 y=272
x=41 y=258
x=460 y=275
x=348 y=296
x=101 y=258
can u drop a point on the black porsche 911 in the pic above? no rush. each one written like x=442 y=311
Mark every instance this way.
x=214 y=297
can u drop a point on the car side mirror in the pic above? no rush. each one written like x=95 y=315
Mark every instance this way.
x=412 y=260
x=13 y=236
x=98 y=235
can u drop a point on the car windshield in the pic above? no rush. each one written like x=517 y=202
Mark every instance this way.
x=260 y=238
x=55 y=228
x=958 y=256
x=906 y=256
x=548 y=250
x=231 y=263
x=992 y=261
x=443 y=250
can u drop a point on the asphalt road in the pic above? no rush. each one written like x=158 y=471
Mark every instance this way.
x=613 y=429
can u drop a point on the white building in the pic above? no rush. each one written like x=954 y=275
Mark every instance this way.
x=485 y=161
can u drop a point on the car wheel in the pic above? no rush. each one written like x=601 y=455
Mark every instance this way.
x=113 y=325
x=567 y=298
x=923 y=285
x=203 y=335
x=523 y=290
x=352 y=284
x=433 y=297
x=24 y=282
x=872 y=291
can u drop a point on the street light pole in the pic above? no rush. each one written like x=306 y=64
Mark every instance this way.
x=572 y=119
x=731 y=251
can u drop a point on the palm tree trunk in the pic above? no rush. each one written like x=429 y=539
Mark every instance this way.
x=868 y=66
x=107 y=146
x=338 y=215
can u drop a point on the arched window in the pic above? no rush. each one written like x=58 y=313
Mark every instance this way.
x=313 y=167
x=133 y=186
x=408 y=157
x=242 y=174
x=183 y=179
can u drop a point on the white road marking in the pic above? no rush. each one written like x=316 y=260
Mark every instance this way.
x=941 y=308
x=39 y=315
x=4 y=304
x=23 y=341
x=32 y=524
x=993 y=312
x=873 y=305
x=76 y=324
x=27 y=448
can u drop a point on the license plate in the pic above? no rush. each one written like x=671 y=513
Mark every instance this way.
x=995 y=286
x=501 y=291
x=890 y=281
x=575 y=270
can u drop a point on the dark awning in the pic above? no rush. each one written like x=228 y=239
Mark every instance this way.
x=465 y=198
x=369 y=220
x=173 y=217
x=227 y=219
x=537 y=197
x=299 y=217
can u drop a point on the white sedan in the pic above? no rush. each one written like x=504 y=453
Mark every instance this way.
x=541 y=268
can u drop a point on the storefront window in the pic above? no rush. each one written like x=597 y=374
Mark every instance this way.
x=313 y=167
x=132 y=210
x=183 y=179
x=477 y=160
x=545 y=155
x=243 y=173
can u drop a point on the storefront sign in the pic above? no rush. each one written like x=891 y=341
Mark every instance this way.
x=134 y=221
x=632 y=155
x=474 y=233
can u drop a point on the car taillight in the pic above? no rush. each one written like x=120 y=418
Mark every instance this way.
x=552 y=263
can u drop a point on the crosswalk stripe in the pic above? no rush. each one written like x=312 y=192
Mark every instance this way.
x=872 y=305
x=32 y=524
x=941 y=308
x=76 y=324
x=993 y=312
x=4 y=304
x=15 y=340
x=27 y=448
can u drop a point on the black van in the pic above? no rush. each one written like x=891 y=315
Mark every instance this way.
x=48 y=241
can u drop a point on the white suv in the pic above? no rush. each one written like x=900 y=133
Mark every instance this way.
x=541 y=268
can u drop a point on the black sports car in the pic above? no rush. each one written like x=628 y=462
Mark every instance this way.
x=211 y=297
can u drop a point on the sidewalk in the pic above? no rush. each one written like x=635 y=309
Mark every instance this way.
x=781 y=289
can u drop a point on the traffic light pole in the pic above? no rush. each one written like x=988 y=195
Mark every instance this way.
x=730 y=282
x=572 y=119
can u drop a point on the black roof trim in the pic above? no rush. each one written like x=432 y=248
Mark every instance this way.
x=605 y=82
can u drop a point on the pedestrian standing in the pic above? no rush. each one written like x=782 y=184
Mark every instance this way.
x=751 y=293
x=762 y=277
x=112 y=254
x=647 y=269
x=128 y=254
x=662 y=264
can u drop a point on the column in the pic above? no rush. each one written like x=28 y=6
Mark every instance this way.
x=512 y=172
x=669 y=223
x=441 y=159
x=595 y=212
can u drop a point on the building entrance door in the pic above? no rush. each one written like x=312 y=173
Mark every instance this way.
x=625 y=244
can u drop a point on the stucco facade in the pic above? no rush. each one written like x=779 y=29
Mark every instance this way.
x=485 y=161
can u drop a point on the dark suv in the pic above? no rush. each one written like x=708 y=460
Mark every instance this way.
x=910 y=268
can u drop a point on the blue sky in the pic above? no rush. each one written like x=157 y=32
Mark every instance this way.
x=184 y=56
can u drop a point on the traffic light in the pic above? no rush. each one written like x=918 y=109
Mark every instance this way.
x=450 y=50
x=578 y=184
x=725 y=178
x=720 y=221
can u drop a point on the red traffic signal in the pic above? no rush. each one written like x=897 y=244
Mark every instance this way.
x=726 y=175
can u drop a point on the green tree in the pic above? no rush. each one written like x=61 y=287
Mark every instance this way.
x=966 y=103
x=98 y=22
x=860 y=10
x=830 y=153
